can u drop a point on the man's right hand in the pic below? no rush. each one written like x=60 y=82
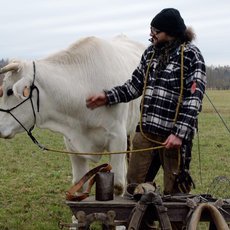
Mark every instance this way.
x=173 y=142
x=96 y=100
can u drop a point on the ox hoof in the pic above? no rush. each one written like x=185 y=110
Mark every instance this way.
x=118 y=189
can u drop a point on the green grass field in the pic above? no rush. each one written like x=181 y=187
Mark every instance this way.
x=33 y=183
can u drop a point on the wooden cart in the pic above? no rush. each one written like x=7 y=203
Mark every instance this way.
x=119 y=211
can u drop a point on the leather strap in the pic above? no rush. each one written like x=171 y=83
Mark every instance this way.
x=71 y=193
x=137 y=216
x=163 y=217
x=154 y=200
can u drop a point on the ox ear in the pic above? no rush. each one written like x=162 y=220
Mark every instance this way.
x=21 y=88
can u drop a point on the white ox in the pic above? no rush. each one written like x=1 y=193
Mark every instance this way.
x=64 y=81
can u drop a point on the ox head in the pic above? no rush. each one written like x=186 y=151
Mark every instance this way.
x=15 y=109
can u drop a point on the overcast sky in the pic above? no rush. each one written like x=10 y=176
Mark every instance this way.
x=34 y=29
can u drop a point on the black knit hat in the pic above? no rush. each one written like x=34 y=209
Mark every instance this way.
x=170 y=21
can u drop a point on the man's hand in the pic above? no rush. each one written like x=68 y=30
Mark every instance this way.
x=173 y=142
x=96 y=100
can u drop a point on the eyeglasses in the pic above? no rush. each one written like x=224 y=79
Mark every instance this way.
x=154 y=30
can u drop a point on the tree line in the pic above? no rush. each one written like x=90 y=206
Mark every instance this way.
x=3 y=62
x=218 y=77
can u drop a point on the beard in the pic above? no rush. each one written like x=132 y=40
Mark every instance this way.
x=159 y=43
x=156 y=42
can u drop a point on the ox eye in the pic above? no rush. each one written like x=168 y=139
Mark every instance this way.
x=9 y=92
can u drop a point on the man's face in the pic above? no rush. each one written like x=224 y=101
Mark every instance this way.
x=158 y=38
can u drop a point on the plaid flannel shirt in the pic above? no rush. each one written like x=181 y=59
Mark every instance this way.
x=163 y=90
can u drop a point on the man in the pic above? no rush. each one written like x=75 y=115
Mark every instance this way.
x=171 y=79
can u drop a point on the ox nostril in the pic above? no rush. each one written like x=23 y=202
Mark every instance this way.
x=9 y=92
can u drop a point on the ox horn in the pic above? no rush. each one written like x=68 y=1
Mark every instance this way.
x=9 y=67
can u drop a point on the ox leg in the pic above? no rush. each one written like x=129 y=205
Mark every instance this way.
x=79 y=163
x=79 y=167
x=129 y=147
x=119 y=163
